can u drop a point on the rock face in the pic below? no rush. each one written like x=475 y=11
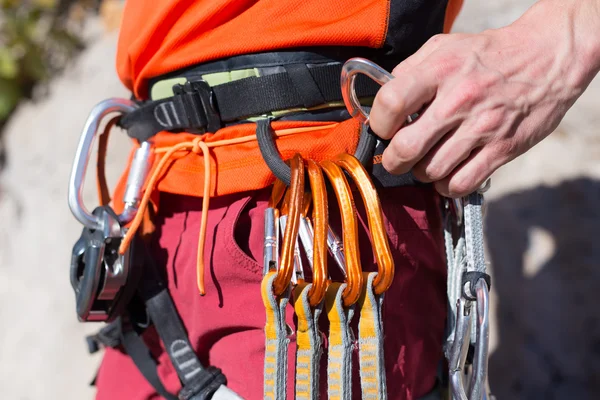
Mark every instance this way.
x=43 y=351
x=542 y=222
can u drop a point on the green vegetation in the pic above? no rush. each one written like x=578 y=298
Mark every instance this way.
x=37 y=38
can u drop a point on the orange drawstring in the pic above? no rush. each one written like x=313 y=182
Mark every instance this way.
x=195 y=146
x=205 y=204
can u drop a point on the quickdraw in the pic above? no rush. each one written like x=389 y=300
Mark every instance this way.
x=468 y=283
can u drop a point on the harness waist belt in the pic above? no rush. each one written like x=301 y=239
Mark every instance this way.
x=198 y=107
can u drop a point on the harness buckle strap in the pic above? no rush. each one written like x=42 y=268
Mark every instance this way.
x=196 y=100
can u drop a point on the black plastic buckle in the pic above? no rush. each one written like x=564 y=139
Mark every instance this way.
x=197 y=101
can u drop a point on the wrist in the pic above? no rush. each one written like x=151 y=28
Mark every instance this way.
x=590 y=34
x=572 y=27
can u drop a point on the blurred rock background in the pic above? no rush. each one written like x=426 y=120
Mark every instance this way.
x=542 y=221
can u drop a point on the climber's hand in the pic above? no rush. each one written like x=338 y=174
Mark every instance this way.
x=486 y=98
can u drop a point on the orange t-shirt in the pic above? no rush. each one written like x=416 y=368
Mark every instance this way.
x=160 y=37
x=167 y=35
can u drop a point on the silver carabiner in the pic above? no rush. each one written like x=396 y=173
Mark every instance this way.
x=82 y=156
x=271 y=241
x=138 y=171
x=478 y=382
x=334 y=244
x=459 y=349
x=477 y=387
x=350 y=70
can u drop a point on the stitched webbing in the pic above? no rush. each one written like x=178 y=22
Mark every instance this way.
x=276 y=340
x=370 y=342
x=339 y=363
x=308 y=344
x=474 y=232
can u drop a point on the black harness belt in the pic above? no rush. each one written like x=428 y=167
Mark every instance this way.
x=197 y=107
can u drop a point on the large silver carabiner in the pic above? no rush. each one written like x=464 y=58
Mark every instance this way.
x=138 y=170
x=350 y=70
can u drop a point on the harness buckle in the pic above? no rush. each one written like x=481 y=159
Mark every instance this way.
x=196 y=99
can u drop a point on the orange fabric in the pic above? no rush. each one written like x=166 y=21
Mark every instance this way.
x=454 y=7
x=240 y=167
x=173 y=34
x=208 y=146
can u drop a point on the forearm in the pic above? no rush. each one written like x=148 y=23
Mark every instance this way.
x=575 y=29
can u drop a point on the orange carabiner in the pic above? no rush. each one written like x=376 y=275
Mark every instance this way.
x=321 y=221
x=294 y=199
x=379 y=237
x=350 y=231
x=277 y=194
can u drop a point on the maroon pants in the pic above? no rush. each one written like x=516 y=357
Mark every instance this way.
x=225 y=327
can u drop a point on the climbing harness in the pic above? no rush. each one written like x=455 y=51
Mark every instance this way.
x=116 y=280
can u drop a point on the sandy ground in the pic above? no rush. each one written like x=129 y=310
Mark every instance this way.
x=542 y=222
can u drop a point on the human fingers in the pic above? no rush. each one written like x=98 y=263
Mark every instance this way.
x=414 y=141
x=472 y=173
x=445 y=156
x=399 y=98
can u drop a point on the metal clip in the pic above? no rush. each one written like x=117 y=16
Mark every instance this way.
x=460 y=346
x=271 y=240
x=82 y=157
x=350 y=70
x=298 y=268
x=138 y=171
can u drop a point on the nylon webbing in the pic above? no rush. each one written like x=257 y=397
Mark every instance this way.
x=308 y=344
x=341 y=343
x=473 y=216
x=276 y=340
x=474 y=247
x=198 y=106
x=140 y=354
x=370 y=342
x=197 y=381
x=456 y=264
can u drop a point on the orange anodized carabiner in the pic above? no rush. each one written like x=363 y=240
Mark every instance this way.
x=350 y=231
x=379 y=237
x=321 y=220
x=294 y=200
